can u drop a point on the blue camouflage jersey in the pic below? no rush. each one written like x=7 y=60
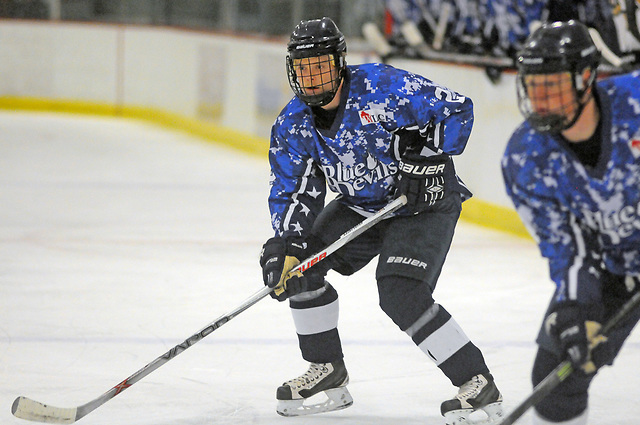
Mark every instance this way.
x=584 y=219
x=358 y=156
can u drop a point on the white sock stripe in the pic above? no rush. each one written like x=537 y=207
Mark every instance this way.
x=309 y=321
x=426 y=317
x=444 y=342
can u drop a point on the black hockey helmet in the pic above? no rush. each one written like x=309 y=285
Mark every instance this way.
x=558 y=47
x=314 y=38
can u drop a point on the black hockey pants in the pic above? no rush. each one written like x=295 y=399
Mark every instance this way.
x=412 y=252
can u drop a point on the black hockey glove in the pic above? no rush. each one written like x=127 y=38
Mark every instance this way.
x=575 y=335
x=277 y=258
x=422 y=179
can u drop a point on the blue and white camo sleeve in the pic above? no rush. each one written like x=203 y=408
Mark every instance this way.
x=298 y=188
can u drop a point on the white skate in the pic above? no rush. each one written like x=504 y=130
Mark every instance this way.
x=478 y=402
x=323 y=388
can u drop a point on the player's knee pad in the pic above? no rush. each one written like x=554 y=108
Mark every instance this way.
x=403 y=299
x=568 y=400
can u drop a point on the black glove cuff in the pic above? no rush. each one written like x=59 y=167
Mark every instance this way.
x=278 y=246
x=296 y=247
x=272 y=248
x=564 y=314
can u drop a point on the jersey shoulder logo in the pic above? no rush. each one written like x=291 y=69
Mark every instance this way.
x=372 y=116
x=634 y=145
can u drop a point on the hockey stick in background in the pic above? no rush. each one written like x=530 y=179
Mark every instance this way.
x=26 y=408
x=377 y=40
x=606 y=52
x=412 y=35
x=564 y=369
x=438 y=27
x=441 y=29
x=414 y=38
x=631 y=6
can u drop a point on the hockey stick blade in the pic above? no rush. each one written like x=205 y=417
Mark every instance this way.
x=31 y=410
x=564 y=369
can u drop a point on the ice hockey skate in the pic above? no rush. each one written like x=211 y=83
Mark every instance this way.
x=478 y=402
x=322 y=388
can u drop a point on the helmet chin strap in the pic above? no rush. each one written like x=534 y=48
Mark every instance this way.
x=587 y=96
x=555 y=123
x=587 y=126
x=335 y=92
x=547 y=123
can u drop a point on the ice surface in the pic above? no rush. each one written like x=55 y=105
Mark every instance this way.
x=118 y=240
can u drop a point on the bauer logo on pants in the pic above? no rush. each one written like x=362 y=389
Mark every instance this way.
x=406 y=260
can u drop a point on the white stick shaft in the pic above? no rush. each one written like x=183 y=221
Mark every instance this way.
x=32 y=410
x=441 y=29
x=373 y=35
x=606 y=52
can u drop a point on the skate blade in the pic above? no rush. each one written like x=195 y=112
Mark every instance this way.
x=487 y=415
x=327 y=401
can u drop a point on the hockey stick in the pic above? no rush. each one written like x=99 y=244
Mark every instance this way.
x=414 y=38
x=380 y=44
x=26 y=408
x=606 y=52
x=441 y=29
x=374 y=36
x=632 y=21
x=564 y=369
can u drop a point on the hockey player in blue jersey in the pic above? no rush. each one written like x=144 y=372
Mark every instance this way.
x=369 y=133
x=572 y=170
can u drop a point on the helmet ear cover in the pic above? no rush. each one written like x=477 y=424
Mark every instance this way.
x=554 y=49
x=311 y=39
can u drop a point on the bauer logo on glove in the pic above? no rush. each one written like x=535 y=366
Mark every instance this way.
x=419 y=170
x=422 y=179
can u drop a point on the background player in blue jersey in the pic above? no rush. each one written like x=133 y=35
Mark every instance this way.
x=369 y=133
x=572 y=170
